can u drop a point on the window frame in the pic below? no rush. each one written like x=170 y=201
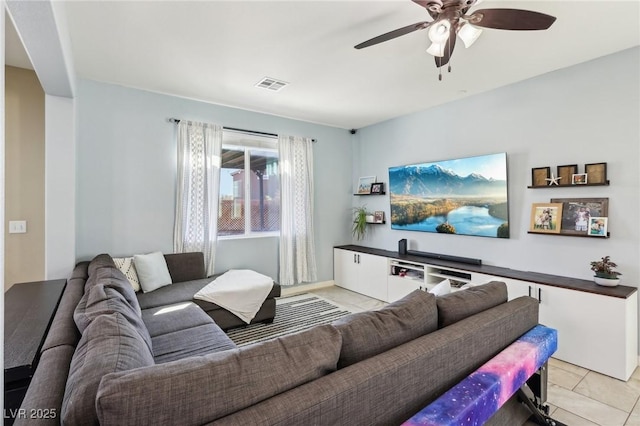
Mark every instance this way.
x=247 y=149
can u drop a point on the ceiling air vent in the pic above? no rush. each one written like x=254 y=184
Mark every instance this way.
x=271 y=84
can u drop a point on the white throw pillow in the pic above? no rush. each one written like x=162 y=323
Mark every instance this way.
x=125 y=264
x=444 y=287
x=152 y=271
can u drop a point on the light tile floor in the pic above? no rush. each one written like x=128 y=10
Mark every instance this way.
x=576 y=396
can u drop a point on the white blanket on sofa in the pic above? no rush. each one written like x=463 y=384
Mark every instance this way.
x=240 y=291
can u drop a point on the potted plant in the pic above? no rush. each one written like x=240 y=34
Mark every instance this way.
x=360 y=222
x=605 y=273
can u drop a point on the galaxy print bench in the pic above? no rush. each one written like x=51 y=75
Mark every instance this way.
x=476 y=398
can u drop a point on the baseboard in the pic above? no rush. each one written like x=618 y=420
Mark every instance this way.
x=304 y=288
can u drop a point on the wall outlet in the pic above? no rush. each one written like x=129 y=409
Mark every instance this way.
x=17 y=226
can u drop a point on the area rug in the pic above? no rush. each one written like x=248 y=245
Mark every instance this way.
x=293 y=314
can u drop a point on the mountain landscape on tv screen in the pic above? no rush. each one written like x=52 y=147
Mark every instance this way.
x=432 y=197
x=436 y=181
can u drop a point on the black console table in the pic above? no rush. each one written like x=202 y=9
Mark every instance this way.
x=28 y=311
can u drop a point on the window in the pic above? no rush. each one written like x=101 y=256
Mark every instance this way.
x=249 y=186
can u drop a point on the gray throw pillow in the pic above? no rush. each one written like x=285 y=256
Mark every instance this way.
x=109 y=344
x=367 y=334
x=459 y=305
x=152 y=271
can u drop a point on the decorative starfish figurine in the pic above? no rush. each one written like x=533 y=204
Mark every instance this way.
x=553 y=180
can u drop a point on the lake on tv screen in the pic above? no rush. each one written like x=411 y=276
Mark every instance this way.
x=467 y=220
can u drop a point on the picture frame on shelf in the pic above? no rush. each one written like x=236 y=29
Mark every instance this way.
x=598 y=226
x=364 y=184
x=546 y=218
x=579 y=179
x=597 y=172
x=377 y=188
x=378 y=216
x=566 y=172
x=539 y=176
x=576 y=213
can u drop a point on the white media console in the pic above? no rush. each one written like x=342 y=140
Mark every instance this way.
x=597 y=326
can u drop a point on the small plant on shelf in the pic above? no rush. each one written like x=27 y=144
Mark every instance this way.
x=359 y=222
x=605 y=272
x=604 y=268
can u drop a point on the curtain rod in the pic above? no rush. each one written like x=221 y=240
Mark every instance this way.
x=234 y=129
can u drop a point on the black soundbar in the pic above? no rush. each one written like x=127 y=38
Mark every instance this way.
x=459 y=259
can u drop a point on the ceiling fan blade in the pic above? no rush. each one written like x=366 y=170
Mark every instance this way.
x=393 y=34
x=511 y=19
x=422 y=3
x=448 y=49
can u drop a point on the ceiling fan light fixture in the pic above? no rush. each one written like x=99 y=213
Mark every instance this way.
x=469 y=34
x=436 y=49
x=439 y=31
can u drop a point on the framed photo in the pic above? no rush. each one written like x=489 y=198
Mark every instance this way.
x=597 y=172
x=576 y=213
x=565 y=173
x=377 y=188
x=378 y=217
x=546 y=218
x=364 y=184
x=579 y=179
x=598 y=226
x=539 y=176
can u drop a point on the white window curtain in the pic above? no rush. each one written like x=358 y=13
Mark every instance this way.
x=198 y=188
x=297 y=247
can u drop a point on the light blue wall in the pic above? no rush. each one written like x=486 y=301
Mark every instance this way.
x=588 y=113
x=126 y=159
x=126 y=171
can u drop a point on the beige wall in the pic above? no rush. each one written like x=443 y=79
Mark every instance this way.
x=24 y=178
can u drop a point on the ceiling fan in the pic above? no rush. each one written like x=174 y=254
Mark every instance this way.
x=450 y=18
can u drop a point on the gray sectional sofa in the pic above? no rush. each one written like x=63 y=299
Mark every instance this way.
x=116 y=359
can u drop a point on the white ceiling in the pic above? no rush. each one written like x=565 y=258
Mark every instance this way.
x=216 y=51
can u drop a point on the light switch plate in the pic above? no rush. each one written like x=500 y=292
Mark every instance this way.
x=17 y=226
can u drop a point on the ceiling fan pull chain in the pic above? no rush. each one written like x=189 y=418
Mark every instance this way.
x=449 y=44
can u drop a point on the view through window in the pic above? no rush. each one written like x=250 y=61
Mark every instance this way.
x=249 y=186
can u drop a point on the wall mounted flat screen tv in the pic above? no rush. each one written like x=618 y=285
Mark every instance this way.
x=466 y=196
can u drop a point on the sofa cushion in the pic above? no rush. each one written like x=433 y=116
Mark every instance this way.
x=152 y=271
x=196 y=341
x=113 y=278
x=169 y=295
x=46 y=388
x=456 y=306
x=104 y=300
x=201 y=389
x=126 y=266
x=182 y=330
x=100 y=261
x=186 y=266
x=366 y=334
x=63 y=330
x=109 y=344
x=170 y=318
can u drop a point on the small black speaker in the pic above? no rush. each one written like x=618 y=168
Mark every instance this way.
x=402 y=246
